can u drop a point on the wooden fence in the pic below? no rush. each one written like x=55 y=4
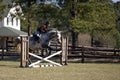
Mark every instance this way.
x=94 y=52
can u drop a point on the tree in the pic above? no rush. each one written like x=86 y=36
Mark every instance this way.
x=95 y=15
x=117 y=10
x=2 y=9
x=28 y=13
x=36 y=14
x=75 y=15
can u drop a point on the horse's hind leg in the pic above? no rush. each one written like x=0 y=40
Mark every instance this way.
x=48 y=52
x=45 y=52
x=42 y=53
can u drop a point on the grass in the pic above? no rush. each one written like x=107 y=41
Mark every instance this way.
x=9 y=70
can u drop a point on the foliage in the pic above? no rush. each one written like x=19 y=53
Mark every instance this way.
x=117 y=9
x=97 y=15
x=94 y=15
x=90 y=15
x=2 y=9
x=39 y=13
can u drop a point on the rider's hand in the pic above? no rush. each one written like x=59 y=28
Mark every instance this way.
x=38 y=35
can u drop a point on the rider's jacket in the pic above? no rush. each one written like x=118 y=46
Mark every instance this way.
x=40 y=29
x=37 y=33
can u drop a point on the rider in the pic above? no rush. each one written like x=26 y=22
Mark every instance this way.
x=41 y=29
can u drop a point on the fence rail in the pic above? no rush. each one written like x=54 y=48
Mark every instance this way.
x=92 y=52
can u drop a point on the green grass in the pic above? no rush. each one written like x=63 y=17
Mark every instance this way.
x=10 y=70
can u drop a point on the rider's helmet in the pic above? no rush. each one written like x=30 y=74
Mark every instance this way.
x=47 y=23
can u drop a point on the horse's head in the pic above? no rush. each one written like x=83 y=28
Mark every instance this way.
x=55 y=34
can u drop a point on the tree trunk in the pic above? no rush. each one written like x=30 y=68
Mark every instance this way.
x=92 y=43
x=74 y=16
x=74 y=39
x=29 y=27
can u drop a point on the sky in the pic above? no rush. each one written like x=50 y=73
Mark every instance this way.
x=115 y=0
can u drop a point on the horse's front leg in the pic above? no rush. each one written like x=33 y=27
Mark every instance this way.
x=42 y=52
x=49 y=51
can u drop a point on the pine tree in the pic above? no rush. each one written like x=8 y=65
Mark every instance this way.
x=92 y=16
x=117 y=9
x=2 y=9
x=117 y=36
x=37 y=14
x=84 y=16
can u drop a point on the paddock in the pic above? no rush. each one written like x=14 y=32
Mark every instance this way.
x=10 y=70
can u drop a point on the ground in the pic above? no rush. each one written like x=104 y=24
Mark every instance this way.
x=10 y=70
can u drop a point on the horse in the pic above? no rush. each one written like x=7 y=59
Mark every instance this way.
x=45 y=39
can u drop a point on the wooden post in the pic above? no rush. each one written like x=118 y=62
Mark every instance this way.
x=64 y=51
x=82 y=55
x=3 y=44
x=27 y=51
x=21 y=56
x=2 y=55
x=66 y=55
x=7 y=43
x=24 y=51
x=114 y=52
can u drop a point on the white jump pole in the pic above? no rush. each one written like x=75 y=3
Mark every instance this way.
x=45 y=59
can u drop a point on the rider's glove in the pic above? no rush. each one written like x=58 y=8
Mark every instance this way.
x=38 y=35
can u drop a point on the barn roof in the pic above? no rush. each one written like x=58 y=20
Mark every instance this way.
x=10 y=32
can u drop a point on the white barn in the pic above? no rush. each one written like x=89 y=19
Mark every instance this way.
x=14 y=23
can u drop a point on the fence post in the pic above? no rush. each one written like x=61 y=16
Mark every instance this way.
x=3 y=48
x=27 y=51
x=2 y=55
x=64 y=54
x=21 y=54
x=24 y=51
x=82 y=55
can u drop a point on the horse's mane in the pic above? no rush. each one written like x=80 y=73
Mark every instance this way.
x=52 y=29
